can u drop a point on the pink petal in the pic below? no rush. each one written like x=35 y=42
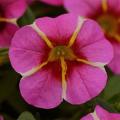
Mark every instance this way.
x=15 y=9
x=115 y=63
x=43 y=89
x=28 y=50
x=102 y=115
x=53 y=2
x=6 y=34
x=60 y=29
x=87 y=117
x=84 y=83
x=6 y=2
x=93 y=45
x=114 y=5
x=82 y=7
x=105 y=115
x=1 y=117
x=116 y=116
x=103 y=51
x=29 y=1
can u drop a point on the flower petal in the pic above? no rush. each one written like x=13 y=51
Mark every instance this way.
x=114 y=5
x=15 y=8
x=87 y=117
x=115 y=63
x=84 y=82
x=101 y=114
x=115 y=116
x=6 y=34
x=53 y=2
x=100 y=49
x=1 y=117
x=43 y=89
x=82 y=7
x=27 y=50
x=59 y=30
x=6 y=2
x=92 y=45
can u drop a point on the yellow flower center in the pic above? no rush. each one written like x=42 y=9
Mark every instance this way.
x=109 y=24
x=61 y=51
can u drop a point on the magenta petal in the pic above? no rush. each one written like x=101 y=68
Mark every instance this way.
x=101 y=114
x=1 y=117
x=96 y=52
x=82 y=7
x=105 y=115
x=114 y=5
x=53 y=2
x=93 y=45
x=86 y=35
x=6 y=35
x=15 y=9
x=115 y=116
x=87 y=117
x=115 y=63
x=42 y=89
x=6 y=2
x=29 y=1
x=84 y=83
x=27 y=50
x=60 y=29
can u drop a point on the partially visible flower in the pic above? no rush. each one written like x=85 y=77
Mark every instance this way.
x=10 y=11
x=53 y=2
x=1 y=117
x=60 y=58
x=30 y=1
x=101 y=114
x=107 y=14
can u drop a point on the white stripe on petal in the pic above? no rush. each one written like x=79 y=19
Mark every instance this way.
x=95 y=64
x=95 y=116
x=42 y=35
x=34 y=70
x=81 y=21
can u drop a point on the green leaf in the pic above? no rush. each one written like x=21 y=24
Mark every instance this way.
x=112 y=88
x=26 y=116
x=8 y=81
x=115 y=101
x=27 y=18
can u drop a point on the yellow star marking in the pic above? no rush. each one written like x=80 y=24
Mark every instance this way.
x=116 y=36
x=64 y=71
x=42 y=35
x=95 y=64
x=9 y=20
x=104 y=5
x=34 y=70
x=81 y=21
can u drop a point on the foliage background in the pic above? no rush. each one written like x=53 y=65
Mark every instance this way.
x=12 y=105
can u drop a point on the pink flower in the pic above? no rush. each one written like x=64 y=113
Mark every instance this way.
x=106 y=13
x=10 y=11
x=30 y=1
x=1 y=117
x=101 y=114
x=60 y=58
x=53 y=2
